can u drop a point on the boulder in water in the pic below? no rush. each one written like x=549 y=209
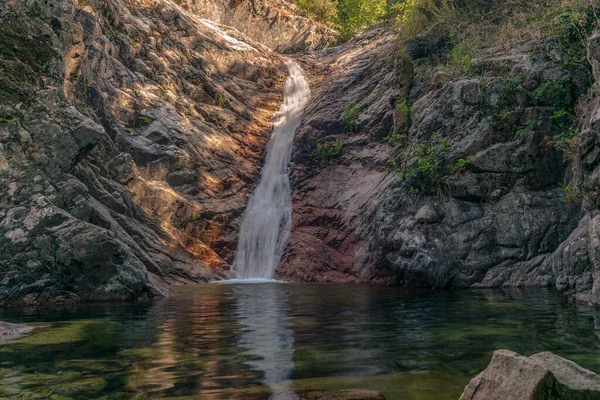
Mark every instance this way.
x=542 y=376
x=10 y=331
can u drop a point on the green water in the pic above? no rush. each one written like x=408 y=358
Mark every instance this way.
x=270 y=340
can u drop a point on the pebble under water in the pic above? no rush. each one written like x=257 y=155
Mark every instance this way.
x=270 y=340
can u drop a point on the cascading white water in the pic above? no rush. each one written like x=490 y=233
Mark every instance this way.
x=266 y=227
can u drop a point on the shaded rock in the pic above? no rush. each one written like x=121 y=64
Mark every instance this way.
x=541 y=376
x=428 y=214
x=491 y=214
x=576 y=262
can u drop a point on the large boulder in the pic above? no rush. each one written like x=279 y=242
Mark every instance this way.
x=542 y=376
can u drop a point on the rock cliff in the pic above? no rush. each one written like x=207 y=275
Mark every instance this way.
x=130 y=135
x=409 y=174
x=274 y=23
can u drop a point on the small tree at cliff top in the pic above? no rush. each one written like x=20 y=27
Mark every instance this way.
x=355 y=15
x=323 y=10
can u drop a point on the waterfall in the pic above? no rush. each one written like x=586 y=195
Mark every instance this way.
x=267 y=222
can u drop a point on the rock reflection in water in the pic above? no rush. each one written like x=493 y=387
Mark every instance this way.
x=243 y=341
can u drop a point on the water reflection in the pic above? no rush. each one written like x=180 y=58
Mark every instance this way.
x=267 y=336
x=269 y=340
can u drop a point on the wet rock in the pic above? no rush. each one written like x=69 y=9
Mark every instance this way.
x=541 y=376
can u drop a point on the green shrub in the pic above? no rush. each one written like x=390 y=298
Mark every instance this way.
x=527 y=129
x=460 y=58
x=351 y=113
x=9 y=120
x=565 y=138
x=330 y=151
x=355 y=15
x=460 y=165
x=554 y=94
x=572 y=194
x=322 y=10
x=426 y=167
x=404 y=113
x=396 y=138
x=221 y=101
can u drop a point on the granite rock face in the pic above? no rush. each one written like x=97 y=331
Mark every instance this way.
x=274 y=23
x=576 y=262
x=130 y=135
x=542 y=376
x=491 y=214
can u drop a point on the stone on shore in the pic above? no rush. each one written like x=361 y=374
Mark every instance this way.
x=543 y=376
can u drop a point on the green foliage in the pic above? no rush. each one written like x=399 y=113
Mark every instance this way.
x=403 y=120
x=143 y=119
x=426 y=166
x=349 y=17
x=562 y=120
x=351 y=113
x=322 y=10
x=461 y=165
x=396 y=138
x=330 y=151
x=460 y=58
x=355 y=15
x=566 y=137
x=415 y=16
x=487 y=23
x=198 y=216
x=404 y=113
x=572 y=194
x=221 y=101
x=527 y=129
x=9 y=120
x=554 y=94
x=575 y=23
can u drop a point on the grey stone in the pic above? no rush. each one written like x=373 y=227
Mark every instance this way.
x=539 y=377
